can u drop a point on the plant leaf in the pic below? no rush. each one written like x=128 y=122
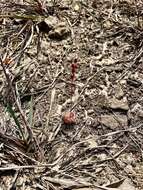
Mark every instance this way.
x=13 y=115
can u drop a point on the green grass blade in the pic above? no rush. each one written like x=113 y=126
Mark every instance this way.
x=13 y=115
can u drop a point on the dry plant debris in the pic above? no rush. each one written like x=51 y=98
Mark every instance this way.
x=61 y=57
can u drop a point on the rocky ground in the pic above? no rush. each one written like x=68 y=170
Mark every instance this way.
x=39 y=45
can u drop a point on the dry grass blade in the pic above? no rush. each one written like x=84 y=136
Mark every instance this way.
x=38 y=41
x=29 y=37
x=8 y=140
x=53 y=93
x=29 y=131
x=68 y=183
x=31 y=113
x=26 y=42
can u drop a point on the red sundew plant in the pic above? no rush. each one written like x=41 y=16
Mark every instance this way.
x=69 y=117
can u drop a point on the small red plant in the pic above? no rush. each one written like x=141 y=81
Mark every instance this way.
x=69 y=117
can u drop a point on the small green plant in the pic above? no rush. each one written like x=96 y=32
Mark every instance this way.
x=10 y=110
